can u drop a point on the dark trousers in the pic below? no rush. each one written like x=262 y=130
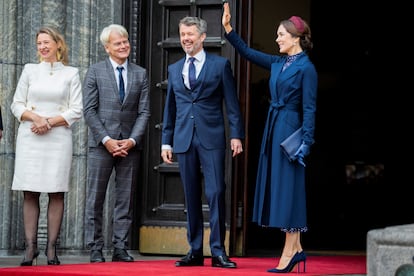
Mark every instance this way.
x=212 y=164
x=100 y=166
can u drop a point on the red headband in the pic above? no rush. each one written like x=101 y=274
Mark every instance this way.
x=298 y=23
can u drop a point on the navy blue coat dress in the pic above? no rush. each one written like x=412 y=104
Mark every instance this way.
x=280 y=196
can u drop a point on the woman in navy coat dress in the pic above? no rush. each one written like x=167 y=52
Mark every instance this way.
x=280 y=196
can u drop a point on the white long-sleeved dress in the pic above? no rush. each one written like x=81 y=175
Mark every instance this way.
x=43 y=162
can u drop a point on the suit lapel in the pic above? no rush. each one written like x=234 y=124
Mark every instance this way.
x=111 y=75
x=204 y=73
x=130 y=75
x=178 y=75
x=294 y=67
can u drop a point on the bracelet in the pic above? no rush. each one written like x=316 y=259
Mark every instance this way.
x=49 y=126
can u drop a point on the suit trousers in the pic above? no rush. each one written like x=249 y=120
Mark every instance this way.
x=100 y=166
x=212 y=163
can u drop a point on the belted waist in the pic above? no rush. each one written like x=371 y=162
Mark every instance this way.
x=281 y=105
x=271 y=119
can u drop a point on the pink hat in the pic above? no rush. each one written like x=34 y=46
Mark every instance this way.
x=298 y=23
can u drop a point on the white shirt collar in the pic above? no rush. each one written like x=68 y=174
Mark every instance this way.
x=200 y=56
x=114 y=64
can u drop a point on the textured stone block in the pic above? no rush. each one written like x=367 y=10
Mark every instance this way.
x=389 y=248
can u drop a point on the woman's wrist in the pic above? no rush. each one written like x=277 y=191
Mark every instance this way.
x=228 y=28
x=49 y=125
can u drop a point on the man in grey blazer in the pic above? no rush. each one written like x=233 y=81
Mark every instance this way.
x=116 y=110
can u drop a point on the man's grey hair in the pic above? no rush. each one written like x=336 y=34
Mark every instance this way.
x=106 y=32
x=201 y=24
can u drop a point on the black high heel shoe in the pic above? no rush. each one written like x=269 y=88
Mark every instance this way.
x=55 y=260
x=30 y=262
x=296 y=260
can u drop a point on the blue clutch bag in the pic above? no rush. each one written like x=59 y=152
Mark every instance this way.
x=291 y=144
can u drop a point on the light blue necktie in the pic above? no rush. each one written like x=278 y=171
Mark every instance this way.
x=121 y=84
x=192 y=73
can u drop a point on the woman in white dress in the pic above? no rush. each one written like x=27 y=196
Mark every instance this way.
x=47 y=101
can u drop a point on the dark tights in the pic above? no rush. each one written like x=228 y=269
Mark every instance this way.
x=31 y=210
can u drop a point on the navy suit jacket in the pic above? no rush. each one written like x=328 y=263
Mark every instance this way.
x=201 y=109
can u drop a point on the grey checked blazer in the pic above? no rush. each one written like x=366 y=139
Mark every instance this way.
x=105 y=114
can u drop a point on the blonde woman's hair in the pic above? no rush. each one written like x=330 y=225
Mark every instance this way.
x=62 y=52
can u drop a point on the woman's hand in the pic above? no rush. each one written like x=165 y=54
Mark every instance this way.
x=225 y=20
x=40 y=125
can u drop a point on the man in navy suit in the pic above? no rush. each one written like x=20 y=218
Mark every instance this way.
x=194 y=129
x=116 y=110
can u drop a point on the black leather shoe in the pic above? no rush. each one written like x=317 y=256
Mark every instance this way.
x=222 y=261
x=121 y=255
x=190 y=260
x=97 y=257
